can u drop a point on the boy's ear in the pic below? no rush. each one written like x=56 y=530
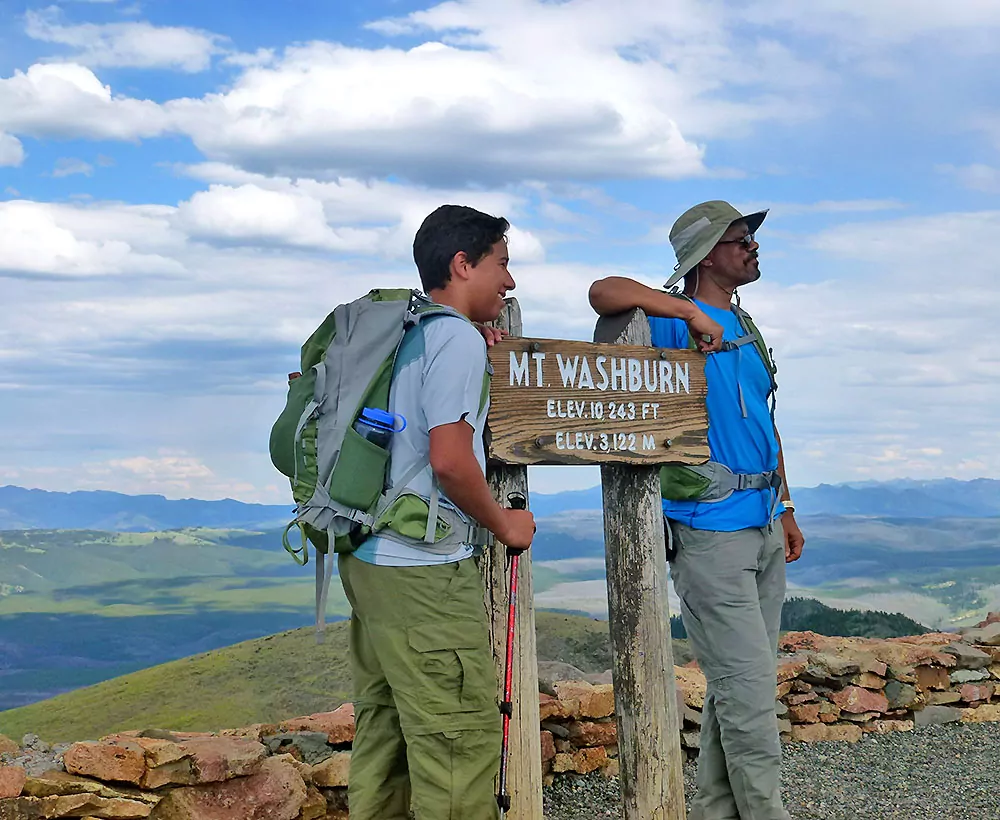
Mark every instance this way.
x=460 y=266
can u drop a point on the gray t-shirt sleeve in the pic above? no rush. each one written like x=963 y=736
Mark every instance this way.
x=454 y=366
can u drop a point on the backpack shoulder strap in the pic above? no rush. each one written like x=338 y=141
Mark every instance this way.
x=751 y=330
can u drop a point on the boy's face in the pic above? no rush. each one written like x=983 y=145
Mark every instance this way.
x=489 y=283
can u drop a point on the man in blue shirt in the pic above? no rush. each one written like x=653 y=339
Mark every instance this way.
x=731 y=537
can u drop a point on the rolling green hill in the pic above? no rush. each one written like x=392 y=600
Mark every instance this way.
x=260 y=681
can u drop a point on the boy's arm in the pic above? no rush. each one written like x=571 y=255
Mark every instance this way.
x=616 y=294
x=457 y=471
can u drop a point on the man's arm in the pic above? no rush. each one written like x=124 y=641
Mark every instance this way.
x=616 y=294
x=457 y=471
x=794 y=539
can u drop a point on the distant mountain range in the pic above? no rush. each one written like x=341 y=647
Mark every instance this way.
x=100 y=510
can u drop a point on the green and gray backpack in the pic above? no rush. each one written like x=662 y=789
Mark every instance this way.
x=340 y=479
x=713 y=481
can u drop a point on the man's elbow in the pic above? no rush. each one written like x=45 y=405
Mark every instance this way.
x=598 y=295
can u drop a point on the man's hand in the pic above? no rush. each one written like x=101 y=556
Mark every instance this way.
x=794 y=539
x=517 y=529
x=492 y=335
x=701 y=325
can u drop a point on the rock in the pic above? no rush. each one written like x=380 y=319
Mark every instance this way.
x=932 y=677
x=875 y=666
x=973 y=692
x=8 y=746
x=562 y=762
x=73 y=805
x=601 y=702
x=548 y=747
x=969 y=675
x=943 y=698
x=868 y=680
x=550 y=707
x=900 y=695
x=12 y=781
x=274 y=792
x=987 y=713
x=860 y=717
x=551 y=672
x=611 y=769
x=968 y=657
x=845 y=733
x=780 y=709
x=332 y=772
x=804 y=713
x=693 y=716
x=200 y=760
x=798 y=700
x=783 y=689
x=122 y=761
x=810 y=732
x=605 y=678
x=784 y=726
x=994 y=671
x=828 y=712
x=312 y=747
x=856 y=700
x=692 y=683
x=907 y=674
x=832 y=666
x=586 y=761
x=936 y=715
x=884 y=727
x=585 y=733
x=314 y=807
x=691 y=740
x=59 y=783
x=988 y=635
x=337 y=725
x=801 y=687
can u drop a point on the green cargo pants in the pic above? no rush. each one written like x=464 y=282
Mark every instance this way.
x=425 y=693
x=731 y=586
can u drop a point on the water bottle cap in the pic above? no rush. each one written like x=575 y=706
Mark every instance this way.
x=378 y=418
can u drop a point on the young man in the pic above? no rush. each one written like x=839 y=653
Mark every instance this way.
x=729 y=568
x=428 y=724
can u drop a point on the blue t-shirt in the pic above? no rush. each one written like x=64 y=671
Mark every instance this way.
x=744 y=445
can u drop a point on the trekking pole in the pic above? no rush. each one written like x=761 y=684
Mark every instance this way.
x=517 y=501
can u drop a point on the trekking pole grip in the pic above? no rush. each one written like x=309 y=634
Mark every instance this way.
x=517 y=501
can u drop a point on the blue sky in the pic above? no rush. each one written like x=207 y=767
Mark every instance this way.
x=187 y=188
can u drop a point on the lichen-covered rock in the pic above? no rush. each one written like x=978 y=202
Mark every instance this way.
x=120 y=761
x=332 y=772
x=11 y=781
x=275 y=791
x=337 y=725
x=855 y=699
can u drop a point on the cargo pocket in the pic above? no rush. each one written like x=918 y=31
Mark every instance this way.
x=358 y=479
x=455 y=666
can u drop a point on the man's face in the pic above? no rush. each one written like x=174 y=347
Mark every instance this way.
x=734 y=263
x=490 y=282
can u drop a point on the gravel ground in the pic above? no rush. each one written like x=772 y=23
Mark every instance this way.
x=936 y=773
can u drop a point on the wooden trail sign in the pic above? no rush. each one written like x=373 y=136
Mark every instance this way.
x=562 y=402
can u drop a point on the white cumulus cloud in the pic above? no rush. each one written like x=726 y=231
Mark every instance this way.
x=11 y=150
x=127 y=45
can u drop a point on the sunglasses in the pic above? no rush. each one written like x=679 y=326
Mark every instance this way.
x=746 y=241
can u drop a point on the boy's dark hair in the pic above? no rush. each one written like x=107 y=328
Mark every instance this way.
x=448 y=230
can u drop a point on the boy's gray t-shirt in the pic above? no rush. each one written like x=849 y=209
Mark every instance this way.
x=437 y=380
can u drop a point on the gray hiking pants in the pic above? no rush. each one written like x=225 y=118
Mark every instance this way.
x=731 y=586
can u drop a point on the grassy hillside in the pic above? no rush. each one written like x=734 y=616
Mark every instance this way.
x=258 y=681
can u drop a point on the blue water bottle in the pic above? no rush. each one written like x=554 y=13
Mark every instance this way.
x=378 y=426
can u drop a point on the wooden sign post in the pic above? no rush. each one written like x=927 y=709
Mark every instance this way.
x=524 y=758
x=628 y=407
x=651 y=773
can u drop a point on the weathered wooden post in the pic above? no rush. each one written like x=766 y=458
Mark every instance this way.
x=525 y=759
x=651 y=776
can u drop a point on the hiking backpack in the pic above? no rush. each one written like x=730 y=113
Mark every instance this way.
x=339 y=478
x=713 y=481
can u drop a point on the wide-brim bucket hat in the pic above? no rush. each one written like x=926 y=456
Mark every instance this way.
x=700 y=228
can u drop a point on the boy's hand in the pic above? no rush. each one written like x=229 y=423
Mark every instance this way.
x=491 y=335
x=517 y=529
